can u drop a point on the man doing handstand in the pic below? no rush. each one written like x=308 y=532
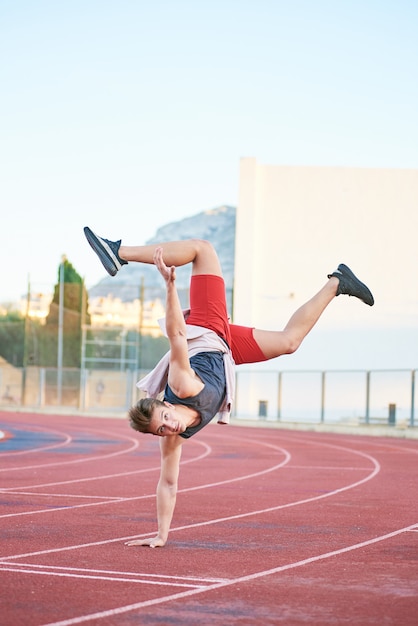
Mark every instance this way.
x=196 y=375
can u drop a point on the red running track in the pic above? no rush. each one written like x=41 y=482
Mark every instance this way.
x=271 y=527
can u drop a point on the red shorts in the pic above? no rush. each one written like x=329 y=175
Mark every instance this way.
x=208 y=309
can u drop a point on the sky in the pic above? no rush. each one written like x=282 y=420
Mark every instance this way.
x=125 y=115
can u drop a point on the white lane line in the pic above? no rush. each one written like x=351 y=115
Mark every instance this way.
x=152 y=495
x=206 y=452
x=213 y=520
x=116 y=572
x=209 y=485
x=242 y=579
x=332 y=468
x=195 y=580
x=76 y=496
x=123 y=499
x=71 y=507
x=377 y=443
x=109 y=578
x=308 y=468
x=100 y=457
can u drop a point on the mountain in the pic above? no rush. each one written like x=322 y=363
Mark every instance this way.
x=216 y=225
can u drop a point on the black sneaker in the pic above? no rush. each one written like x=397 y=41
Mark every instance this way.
x=351 y=286
x=106 y=250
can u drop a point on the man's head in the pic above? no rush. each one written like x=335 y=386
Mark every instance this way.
x=156 y=417
x=140 y=415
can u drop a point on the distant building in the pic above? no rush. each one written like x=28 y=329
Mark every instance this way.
x=104 y=311
x=39 y=304
x=112 y=311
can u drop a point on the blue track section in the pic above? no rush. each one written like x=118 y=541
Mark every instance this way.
x=17 y=440
x=22 y=439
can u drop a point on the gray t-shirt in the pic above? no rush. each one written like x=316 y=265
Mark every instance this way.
x=209 y=366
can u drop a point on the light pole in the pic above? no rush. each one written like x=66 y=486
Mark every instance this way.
x=60 y=330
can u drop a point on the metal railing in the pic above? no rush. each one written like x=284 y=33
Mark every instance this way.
x=331 y=396
x=365 y=396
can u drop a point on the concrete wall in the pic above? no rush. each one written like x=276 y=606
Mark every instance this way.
x=296 y=224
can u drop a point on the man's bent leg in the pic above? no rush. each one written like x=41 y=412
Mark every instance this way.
x=196 y=251
x=113 y=254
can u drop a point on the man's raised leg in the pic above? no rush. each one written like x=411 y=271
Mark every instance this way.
x=113 y=255
x=342 y=281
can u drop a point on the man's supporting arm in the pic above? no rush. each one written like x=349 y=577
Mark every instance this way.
x=166 y=491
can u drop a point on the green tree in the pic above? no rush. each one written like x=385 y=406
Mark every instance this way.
x=12 y=337
x=75 y=307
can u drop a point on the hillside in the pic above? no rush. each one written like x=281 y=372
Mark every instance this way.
x=216 y=225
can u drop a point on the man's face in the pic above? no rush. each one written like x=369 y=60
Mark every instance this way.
x=166 y=422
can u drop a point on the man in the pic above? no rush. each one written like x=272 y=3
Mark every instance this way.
x=195 y=375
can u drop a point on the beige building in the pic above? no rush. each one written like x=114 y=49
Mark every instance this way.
x=110 y=311
x=106 y=311
x=296 y=224
x=37 y=307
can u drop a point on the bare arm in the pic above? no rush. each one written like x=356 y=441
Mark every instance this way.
x=181 y=377
x=166 y=491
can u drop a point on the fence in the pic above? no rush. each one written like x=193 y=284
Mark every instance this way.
x=360 y=396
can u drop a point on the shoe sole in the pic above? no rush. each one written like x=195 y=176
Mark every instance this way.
x=103 y=251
